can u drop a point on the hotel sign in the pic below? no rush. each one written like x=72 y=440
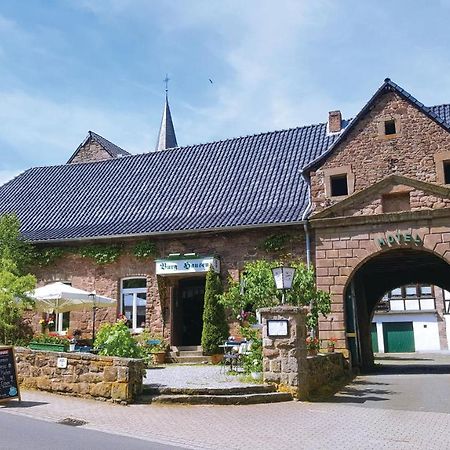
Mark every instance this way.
x=187 y=265
x=399 y=239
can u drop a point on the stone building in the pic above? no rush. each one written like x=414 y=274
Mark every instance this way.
x=365 y=200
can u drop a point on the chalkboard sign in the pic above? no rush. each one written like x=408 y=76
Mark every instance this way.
x=9 y=388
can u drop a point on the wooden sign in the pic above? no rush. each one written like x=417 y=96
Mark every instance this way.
x=9 y=387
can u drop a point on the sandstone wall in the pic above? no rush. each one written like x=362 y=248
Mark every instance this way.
x=91 y=151
x=372 y=156
x=100 y=377
x=326 y=372
x=233 y=249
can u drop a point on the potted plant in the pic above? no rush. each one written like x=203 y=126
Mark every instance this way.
x=158 y=351
x=331 y=344
x=312 y=345
x=49 y=342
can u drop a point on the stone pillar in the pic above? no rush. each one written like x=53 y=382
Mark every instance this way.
x=284 y=357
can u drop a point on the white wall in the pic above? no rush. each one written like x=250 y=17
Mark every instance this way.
x=425 y=326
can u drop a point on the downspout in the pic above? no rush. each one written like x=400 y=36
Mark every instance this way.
x=305 y=224
x=308 y=240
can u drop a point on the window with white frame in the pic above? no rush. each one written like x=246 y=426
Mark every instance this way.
x=134 y=301
x=61 y=321
x=414 y=297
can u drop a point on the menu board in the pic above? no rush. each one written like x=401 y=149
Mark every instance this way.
x=9 y=388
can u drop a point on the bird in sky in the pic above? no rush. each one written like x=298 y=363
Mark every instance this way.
x=211 y=81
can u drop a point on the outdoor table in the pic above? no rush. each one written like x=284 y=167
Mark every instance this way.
x=231 y=356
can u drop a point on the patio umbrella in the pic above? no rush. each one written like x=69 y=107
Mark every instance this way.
x=59 y=298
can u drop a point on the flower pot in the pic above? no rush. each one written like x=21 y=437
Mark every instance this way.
x=312 y=352
x=72 y=347
x=216 y=358
x=159 y=357
x=47 y=347
x=330 y=349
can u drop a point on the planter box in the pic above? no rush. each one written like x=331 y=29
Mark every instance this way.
x=48 y=347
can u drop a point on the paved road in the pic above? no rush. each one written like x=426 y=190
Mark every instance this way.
x=409 y=382
x=23 y=433
x=387 y=410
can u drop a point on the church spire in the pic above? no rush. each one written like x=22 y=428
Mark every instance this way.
x=166 y=138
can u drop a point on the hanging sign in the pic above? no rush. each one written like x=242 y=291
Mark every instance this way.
x=9 y=387
x=187 y=265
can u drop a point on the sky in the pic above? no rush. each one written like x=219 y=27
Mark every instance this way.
x=70 y=66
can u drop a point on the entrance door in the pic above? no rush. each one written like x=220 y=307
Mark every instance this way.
x=398 y=337
x=188 y=312
x=374 y=337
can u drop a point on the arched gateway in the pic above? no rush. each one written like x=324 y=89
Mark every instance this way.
x=377 y=275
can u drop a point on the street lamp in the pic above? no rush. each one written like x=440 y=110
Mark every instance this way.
x=283 y=277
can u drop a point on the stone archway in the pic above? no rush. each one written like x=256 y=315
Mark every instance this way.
x=375 y=276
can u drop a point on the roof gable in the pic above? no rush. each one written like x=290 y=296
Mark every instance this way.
x=113 y=150
x=377 y=189
x=439 y=114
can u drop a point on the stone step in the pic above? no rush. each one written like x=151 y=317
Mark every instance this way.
x=186 y=353
x=189 y=359
x=235 y=390
x=188 y=348
x=245 y=399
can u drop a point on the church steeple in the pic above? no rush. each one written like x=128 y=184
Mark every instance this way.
x=166 y=138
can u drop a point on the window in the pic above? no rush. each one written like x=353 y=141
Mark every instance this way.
x=338 y=184
x=61 y=321
x=134 y=301
x=446 y=172
x=389 y=127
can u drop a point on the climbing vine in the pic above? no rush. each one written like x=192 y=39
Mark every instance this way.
x=144 y=250
x=101 y=254
x=276 y=243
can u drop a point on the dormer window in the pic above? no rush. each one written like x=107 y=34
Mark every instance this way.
x=338 y=184
x=390 y=127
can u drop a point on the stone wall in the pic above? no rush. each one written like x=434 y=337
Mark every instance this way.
x=90 y=151
x=341 y=250
x=100 y=377
x=284 y=358
x=233 y=249
x=372 y=156
x=326 y=373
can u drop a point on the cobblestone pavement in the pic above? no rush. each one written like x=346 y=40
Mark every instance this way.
x=192 y=376
x=360 y=420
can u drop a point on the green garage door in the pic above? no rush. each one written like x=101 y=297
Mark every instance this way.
x=398 y=337
x=374 y=336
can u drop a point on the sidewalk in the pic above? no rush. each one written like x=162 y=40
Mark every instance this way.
x=282 y=426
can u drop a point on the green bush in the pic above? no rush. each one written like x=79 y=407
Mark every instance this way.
x=252 y=361
x=116 y=340
x=215 y=327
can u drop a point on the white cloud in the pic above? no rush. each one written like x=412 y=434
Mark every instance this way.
x=35 y=125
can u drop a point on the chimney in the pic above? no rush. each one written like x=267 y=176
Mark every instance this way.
x=334 y=121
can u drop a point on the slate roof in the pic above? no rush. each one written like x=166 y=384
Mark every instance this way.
x=241 y=182
x=112 y=149
x=245 y=181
